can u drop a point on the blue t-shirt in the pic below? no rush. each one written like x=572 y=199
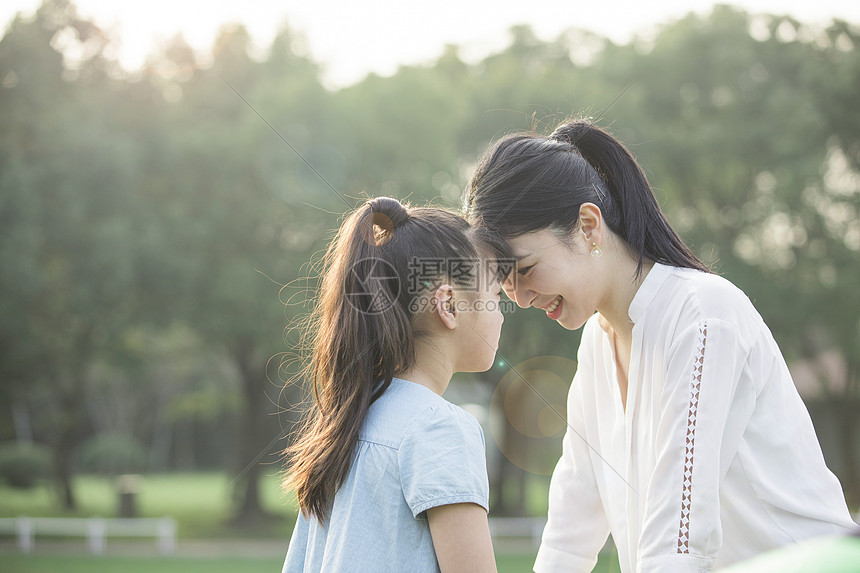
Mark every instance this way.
x=415 y=451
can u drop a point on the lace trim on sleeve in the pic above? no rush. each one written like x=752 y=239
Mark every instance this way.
x=690 y=440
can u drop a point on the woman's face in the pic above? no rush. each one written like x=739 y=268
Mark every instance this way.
x=562 y=280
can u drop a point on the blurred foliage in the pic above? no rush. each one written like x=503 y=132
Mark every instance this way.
x=22 y=466
x=157 y=229
x=112 y=454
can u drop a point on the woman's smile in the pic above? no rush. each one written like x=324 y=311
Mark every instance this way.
x=554 y=308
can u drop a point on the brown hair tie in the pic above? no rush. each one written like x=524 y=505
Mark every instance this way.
x=386 y=215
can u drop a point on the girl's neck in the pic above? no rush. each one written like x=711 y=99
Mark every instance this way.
x=432 y=368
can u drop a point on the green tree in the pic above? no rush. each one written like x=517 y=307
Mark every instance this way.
x=239 y=224
x=72 y=220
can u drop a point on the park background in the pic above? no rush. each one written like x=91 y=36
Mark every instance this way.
x=159 y=230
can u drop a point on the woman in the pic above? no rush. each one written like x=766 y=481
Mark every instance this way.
x=687 y=439
x=388 y=474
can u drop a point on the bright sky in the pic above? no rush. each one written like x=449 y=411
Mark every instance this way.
x=353 y=38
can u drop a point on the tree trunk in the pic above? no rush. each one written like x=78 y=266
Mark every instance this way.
x=72 y=414
x=848 y=432
x=846 y=407
x=64 y=473
x=65 y=444
x=250 y=509
x=497 y=479
x=509 y=483
x=254 y=445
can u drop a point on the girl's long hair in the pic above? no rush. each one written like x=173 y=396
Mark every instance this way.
x=362 y=330
x=527 y=182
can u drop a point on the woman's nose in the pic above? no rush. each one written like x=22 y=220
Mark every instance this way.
x=516 y=293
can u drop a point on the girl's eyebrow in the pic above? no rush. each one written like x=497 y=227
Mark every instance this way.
x=521 y=257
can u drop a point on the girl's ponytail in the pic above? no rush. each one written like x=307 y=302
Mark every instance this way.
x=361 y=336
x=362 y=332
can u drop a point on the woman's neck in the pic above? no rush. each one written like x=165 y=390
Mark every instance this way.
x=621 y=292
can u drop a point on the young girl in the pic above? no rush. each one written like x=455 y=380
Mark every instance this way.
x=687 y=439
x=389 y=475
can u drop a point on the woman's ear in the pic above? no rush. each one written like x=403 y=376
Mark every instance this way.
x=444 y=305
x=591 y=223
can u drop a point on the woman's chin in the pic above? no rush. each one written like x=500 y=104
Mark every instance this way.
x=568 y=324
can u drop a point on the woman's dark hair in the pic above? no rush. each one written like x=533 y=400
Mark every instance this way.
x=527 y=182
x=362 y=329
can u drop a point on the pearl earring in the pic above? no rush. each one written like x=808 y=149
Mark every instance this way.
x=595 y=251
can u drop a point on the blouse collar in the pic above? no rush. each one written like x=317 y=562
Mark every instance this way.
x=647 y=291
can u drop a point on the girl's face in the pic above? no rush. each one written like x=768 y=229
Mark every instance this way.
x=563 y=281
x=482 y=320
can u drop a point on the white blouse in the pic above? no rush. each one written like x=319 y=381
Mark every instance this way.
x=715 y=458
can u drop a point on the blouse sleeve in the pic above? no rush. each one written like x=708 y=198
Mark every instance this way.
x=442 y=460
x=682 y=530
x=576 y=528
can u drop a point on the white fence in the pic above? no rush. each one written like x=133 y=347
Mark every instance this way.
x=95 y=529
x=528 y=528
x=523 y=527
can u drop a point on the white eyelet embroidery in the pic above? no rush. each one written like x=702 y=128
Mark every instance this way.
x=690 y=440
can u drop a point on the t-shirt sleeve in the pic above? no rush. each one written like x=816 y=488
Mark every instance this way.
x=442 y=460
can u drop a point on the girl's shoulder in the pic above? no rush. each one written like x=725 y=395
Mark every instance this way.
x=407 y=408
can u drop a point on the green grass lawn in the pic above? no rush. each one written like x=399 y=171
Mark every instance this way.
x=200 y=502
x=13 y=563
x=107 y=564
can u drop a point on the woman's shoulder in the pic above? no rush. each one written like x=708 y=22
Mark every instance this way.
x=713 y=292
x=692 y=296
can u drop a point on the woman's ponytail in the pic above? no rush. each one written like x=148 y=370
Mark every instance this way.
x=579 y=162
